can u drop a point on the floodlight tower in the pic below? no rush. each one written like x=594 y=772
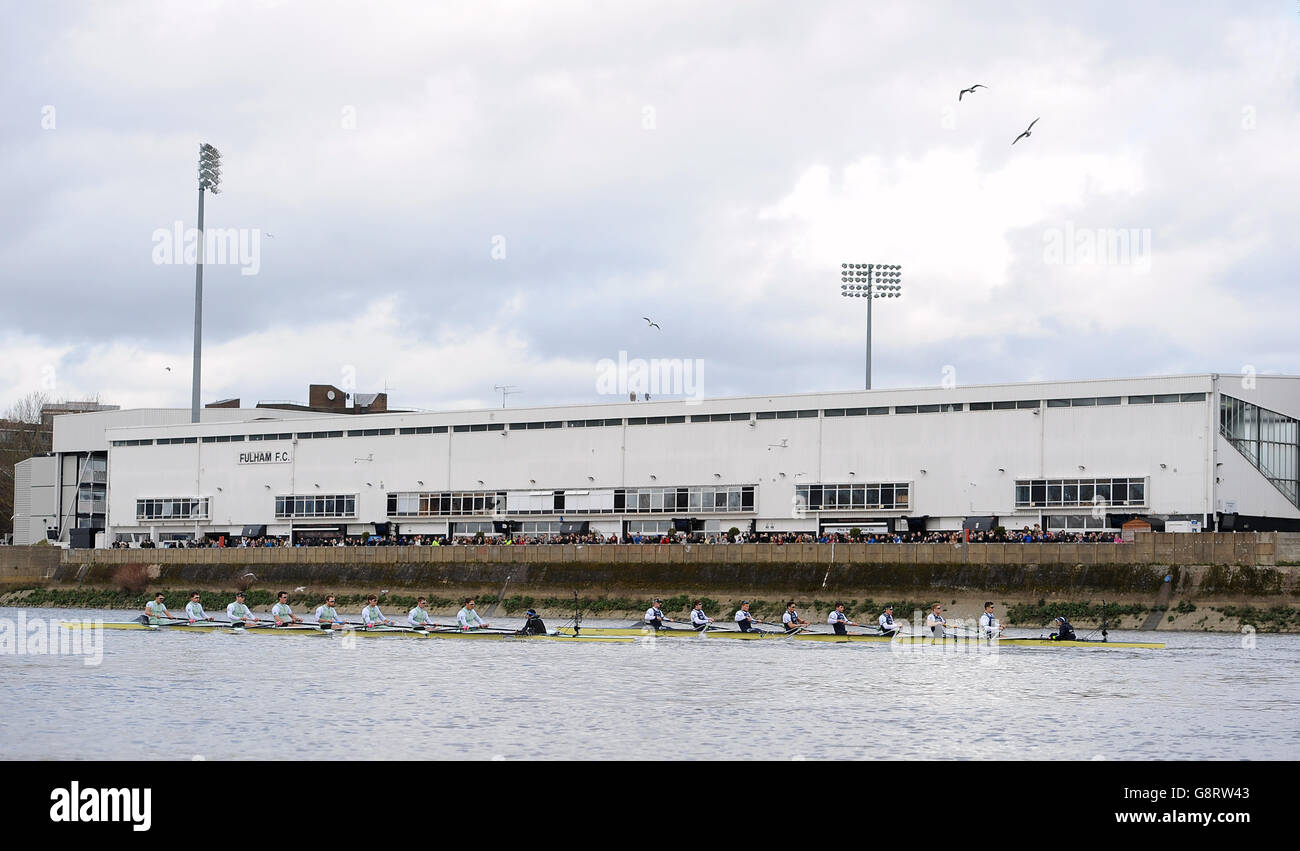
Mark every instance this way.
x=870 y=281
x=209 y=178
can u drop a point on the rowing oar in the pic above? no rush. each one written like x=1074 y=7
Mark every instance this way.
x=144 y=619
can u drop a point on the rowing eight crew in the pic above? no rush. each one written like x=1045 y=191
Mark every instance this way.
x=327 y=617
x=989 y=627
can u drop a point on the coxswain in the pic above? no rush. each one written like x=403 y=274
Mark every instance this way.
x=238 y=611
x=281 y=612
x=699 y=620
x=654 y=616
x=467 y=618
x=327 y=616
x=1064 y=632
x=839 y=621
x=156 y=611
x=888 y=627
x=989 y=626
x=745 y=620
x=533 y=625
x=195 y=609
x=418 y=617
x=937 y=625
x=791 y=619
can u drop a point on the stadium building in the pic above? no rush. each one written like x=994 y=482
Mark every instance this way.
x=1184 y=452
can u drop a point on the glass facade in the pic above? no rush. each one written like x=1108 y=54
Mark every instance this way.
x=172 y=508
x=1080 y=493
x=704 y=499
x=1269 y=440
x=451 y=504
x=331 y=505
x=863 y=496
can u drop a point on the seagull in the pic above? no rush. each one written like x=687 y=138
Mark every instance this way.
x=652 y=324
x=1026 y=133
x=272 y=236
x=299 y=589
x=971 y=90
x=246 y=575
x=168 y=368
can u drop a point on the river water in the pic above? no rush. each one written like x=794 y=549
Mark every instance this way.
x=242 y=696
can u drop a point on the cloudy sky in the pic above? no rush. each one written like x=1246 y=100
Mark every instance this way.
x=443 y=197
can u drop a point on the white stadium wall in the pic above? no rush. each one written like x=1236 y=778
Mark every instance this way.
x=954 y=463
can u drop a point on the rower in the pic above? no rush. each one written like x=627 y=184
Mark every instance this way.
x=195 y=609
x=467 y=618
x=839 y=621
x=887 y=626
x=1064 y=632
x=936 y=623
x=655 y=617
x=418 y=617
x=533 y=626
x=989 y=626
x=156 y=611
x=282 y=613
x=744 y=619
x=327 y=616
x=699 y=620
x=371 y=614
x=238 y=611
x=791 y=619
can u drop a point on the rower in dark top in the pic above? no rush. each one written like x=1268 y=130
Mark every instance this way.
x=534 y=626
x=887 y=626
x=838 y=620
x=1064 y=632
x=791 y=620
x=744 y=619
x=655 y=617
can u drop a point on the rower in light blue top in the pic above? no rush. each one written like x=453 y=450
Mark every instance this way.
x=156 y=611
x=284 y=615
x=467 y=618
x=327 y=616
x=371 y=615
x=418 y=617
x=239 y=613
x=194 y=609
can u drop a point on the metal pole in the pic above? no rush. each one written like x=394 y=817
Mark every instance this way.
x=198 y=320
x=870 y=297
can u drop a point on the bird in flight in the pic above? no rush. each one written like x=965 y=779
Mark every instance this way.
x=168 y=368
x=1026 y=133
x=652 y=324
x=971 y=90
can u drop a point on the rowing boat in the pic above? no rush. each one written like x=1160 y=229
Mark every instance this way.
x=372 y=632
x=909 y=640
x=620 y=635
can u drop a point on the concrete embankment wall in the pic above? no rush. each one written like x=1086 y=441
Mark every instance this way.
x=1234 y=569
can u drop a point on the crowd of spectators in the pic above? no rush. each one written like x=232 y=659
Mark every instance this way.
x=1026 y=535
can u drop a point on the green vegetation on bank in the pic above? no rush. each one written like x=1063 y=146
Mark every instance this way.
x=1273 y=619
x=1044 y=612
